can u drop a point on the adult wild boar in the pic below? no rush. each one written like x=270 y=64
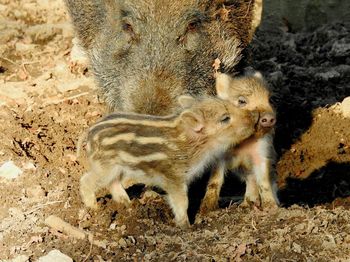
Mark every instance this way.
x=145 y=53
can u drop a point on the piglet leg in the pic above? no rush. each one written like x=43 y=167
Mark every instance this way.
x=267 y=189
x=119 y=194
x=251 y=196
x=178 y=201
x=211 y=199
x=88 y=186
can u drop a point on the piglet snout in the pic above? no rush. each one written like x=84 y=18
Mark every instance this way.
x=267 y=120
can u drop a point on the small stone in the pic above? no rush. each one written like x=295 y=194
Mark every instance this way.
x=122 y=243
x=132 y=240
x=113 y=226
x=55 y=255
x=36 y=192
x=296 y=248
x=345 y=107
x=29 y=166
x=9 y=170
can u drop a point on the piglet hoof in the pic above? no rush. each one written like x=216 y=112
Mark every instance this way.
x=90 y=201
x=183 y=224
x=271 y=205
x=249 y=204
x=208 y=206
x=92 y=206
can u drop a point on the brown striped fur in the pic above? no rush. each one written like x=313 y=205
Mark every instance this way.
x=168 y=152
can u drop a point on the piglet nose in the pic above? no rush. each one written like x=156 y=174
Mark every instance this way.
x=267 y=120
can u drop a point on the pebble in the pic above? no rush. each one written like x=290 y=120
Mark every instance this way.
x=55 y=255
x=345 y=107
x=36 y=192
x=296 y=248
x=122 y=243
x=9 y=170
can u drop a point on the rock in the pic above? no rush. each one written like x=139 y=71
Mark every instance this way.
x=9 y=170
x=35 y=192
x=345 y=107
x=13 y=90
x=55 y=255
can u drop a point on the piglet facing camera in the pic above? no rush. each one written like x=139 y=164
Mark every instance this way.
x=167 y=152
x=252 y=159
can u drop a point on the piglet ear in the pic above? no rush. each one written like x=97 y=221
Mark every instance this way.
x=223 y=82
x=192 y=121
x=186 y=101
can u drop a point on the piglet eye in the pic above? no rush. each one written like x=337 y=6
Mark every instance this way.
x=193 y=26
x=127 y=27
x=225 y=119
x=242 y=101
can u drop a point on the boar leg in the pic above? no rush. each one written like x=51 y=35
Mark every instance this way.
x=211 y=199
x=88 y=186
x=178 y=201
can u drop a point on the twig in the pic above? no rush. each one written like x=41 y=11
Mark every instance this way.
x=67 y=229
x=253 y=224
x=89 y=254
x=65 y=99
x=30 y=62
x=60 y=225
x=41 y=206
x=9 y=60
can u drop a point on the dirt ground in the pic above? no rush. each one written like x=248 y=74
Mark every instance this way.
x=48 y=98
